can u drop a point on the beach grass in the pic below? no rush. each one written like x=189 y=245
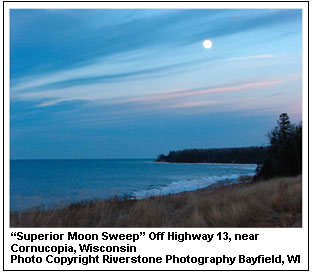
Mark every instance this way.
x=271 y=203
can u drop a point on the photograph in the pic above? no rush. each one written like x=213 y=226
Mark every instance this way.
x=156 y=117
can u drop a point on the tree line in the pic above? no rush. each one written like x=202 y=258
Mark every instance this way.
x=244 y=155
x=282 y=157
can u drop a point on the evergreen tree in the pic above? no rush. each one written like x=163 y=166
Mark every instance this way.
x=285 y=127
x=285 y=153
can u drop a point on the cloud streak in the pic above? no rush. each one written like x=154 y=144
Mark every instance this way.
x=114 y=83
x=265 y=56
x=166 y=98
x=98 y=38
x=99 y=73
x=195 y=92
x=54 y=102
x=192 y=104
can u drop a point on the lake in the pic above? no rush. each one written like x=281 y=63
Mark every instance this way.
x=49 y=183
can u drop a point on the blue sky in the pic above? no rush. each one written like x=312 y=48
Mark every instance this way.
x=136 y=83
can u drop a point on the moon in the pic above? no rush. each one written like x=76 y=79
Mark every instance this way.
x=207 y=44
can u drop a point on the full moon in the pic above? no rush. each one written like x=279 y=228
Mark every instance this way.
x=207 y=44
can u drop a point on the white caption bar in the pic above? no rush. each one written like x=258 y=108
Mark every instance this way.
x=158 y=249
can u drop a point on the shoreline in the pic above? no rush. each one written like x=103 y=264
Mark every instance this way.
x=218 y=163
x=60 y=189
x=216 y=185
x=270 y=203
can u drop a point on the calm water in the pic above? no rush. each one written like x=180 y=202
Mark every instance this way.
x=58 y=182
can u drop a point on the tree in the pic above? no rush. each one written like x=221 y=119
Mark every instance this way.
x=285 y=153
x=285 y=128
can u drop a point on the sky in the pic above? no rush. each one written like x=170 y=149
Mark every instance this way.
x=110 y=83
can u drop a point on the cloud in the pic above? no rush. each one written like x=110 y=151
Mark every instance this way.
x=265 y=56
x=161 y=99
x=98 y=73
x=194 y=92
x=54 y=102
x=91 y=34
x=239 y=21
x=191 y=104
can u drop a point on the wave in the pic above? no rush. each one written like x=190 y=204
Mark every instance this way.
x=188 y=185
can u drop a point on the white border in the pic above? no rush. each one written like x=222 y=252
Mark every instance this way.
x=301 y=233
x=155 y=5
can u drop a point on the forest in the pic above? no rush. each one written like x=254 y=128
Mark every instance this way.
x=245 y=155
x=285 y=150
x=281 y=157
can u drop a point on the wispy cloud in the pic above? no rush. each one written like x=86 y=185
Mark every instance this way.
x=116 y=67
x=192 y=104
x=103 y=33
x=233 y=88
x=54 y=102
x=105 y=71
x=194 y=92
x=163 y=98
x=114 y=83
x=265 y=56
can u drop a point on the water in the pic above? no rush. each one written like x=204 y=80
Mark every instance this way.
x=49 y=183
